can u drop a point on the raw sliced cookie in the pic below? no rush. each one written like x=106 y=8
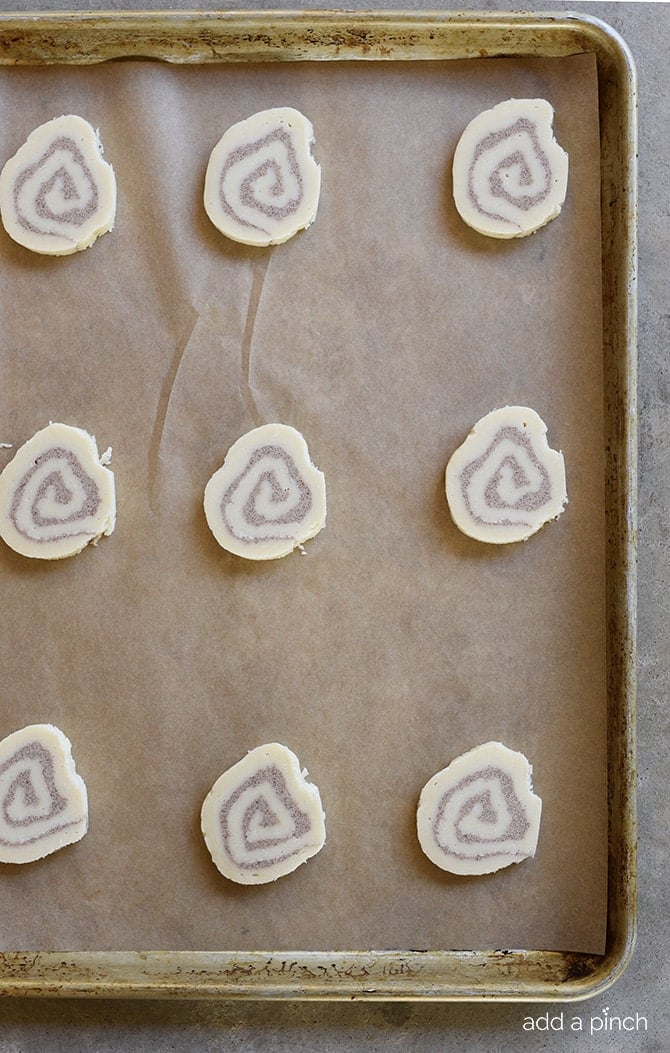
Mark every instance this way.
x=262 y=184
x=510 y=176
x=57 y=194
x=480 y=814
x=504 y=482
x=44 y=800
x=267 y=498
x=57 y=494
x=262 y=819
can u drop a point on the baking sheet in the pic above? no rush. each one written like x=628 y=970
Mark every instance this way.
x=394 y=643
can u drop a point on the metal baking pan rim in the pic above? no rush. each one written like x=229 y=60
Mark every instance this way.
x=498 y=975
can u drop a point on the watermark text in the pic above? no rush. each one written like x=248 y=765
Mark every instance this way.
x=604 y=1021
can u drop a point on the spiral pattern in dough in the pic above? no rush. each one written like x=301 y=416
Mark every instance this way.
x=57 y=194
x=479 y=814
x=510 y=175
x=56 y=495
x=262 y=184
x=505 y=482
x=267 y=498
x=261 y=819
x=43 y=802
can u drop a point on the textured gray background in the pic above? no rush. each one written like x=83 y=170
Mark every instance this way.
x=83 y=1026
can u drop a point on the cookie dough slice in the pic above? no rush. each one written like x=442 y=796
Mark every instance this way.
x=267 y=498
x=480 y=814
x=510 y=176
x=262 y=184
x=262 y=819
x=505 y=482
x=44 y=800
x=57 y=194
x=57 y=494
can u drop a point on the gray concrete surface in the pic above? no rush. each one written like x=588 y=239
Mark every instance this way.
x=642 y=993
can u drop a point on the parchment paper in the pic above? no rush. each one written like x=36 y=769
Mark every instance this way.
x=394 y=643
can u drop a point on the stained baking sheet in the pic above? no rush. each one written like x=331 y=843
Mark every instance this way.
x=393 y=643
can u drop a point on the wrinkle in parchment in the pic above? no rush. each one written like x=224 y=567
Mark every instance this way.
x=260 y=267
x=163 y=409
x=194 y=371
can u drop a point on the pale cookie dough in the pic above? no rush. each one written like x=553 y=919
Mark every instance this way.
x=262 y=184
x=510 y=176
x=505 y=481
x=267 y=498
x=480 y=813
x=57 y=494
x=262 y=819
x=57 y=194
x=44 y=801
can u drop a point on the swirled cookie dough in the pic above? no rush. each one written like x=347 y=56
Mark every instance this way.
x=262 y=184
x=510 y=176
x=480 y=814
x=57 y=194
x=267 y=498
x=57 y=494
x=505 y=482
x=262 y=819
x=44 y=800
